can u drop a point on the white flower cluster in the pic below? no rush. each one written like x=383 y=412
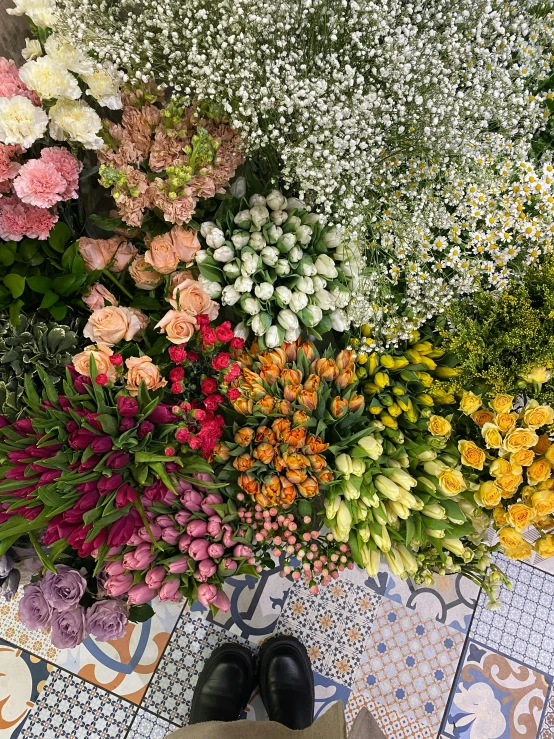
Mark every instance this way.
x=335 y=88
x=274 y=260
x=438 y=235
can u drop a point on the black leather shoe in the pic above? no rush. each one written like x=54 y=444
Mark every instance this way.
x=224 y=685
x=287 y=682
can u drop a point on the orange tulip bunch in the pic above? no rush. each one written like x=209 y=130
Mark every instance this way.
x=290 y=399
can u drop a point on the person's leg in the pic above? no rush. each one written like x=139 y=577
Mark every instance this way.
x=287 y=682
x=224 y=685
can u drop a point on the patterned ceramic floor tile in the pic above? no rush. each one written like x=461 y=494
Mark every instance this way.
x=170 y=691
x=22 y=678
x=495 y=697
x=408 y=665
x=123 y=667
x=333 y=625
x=393 y=724
x=148 y=726
x=547 y=730
x=523 y=628
x=70 y=708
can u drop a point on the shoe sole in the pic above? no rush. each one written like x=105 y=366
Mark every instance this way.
x=265 y=652
x=214 y=657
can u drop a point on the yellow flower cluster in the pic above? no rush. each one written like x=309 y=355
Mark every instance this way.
x=517 y=482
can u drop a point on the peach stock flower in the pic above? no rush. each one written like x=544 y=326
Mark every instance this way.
x=189 y=295
x=112 y=324
x=178 y=326
x=101 y=354
x=142 y=369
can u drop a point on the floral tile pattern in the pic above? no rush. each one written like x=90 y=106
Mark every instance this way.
x=70 y=708
x=148 y=726
x=333 y=625
x=496 y=697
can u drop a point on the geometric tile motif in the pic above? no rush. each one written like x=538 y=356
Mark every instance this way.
x=169 y=694
x=409 y=664
x=547 y=731
x=334 y=625
x=392 y=723
x=523 y=628
x=12 y=629
x=495 y=697
x=71 y=708
x=148 y=726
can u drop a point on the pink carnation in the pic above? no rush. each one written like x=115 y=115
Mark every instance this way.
x=67 y=166
x=11 y=85
x=8 y=169
x=39 y=183
x=18 y=219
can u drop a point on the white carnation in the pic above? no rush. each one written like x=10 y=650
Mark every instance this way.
x=21 y=122
x=74 y=120
x=65 y=54
x=32 y=50
x=49 y=79
x=103 y=88
x=41 y=12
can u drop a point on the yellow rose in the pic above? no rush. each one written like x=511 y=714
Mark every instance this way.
x=502 y=403
x=506 y=421
x=509 y=484
x=472 y=455
x=536 y=415
x=500 y=516
x=547 y=484
x=482 y=417
x=521 y=552
x=492 y=436
x=470 y=403
x=542 y=446
x=544 y=523
x=142 y=369
x=510 y=538
x=439 y=426
x=526 y=492
x=539 y=471
x=489 y=494
x=500 y=467
x=522 y=458
x=520 y=439
x=101 y=354
x=520 y=516
x=545 y=546
x=549 y=454
x=543 y=502
x=451 y=482
x=538 y=374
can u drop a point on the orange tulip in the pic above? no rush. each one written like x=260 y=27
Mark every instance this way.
x=243 y=406
x=296 y=476
x=248 y=483
x=281 y=427
x=312 y=383
x=221 y=452
x=291 y=350
x=296 y=461
x=296 y=437
x=244 y=436
x=308 y=400
x=291 y=377
x=309 y=350
x=264 y=452
x=338 y=407
x=279 y=463
x=271 y=489
x=356 y=402
x=288 y=492
x=317 y=462
x=314 y=445
x=263 y=433
x=346 y=377
x=344 y=359
x=270 y=373
x=243 y=463
x=325 y=476
x=283 y=407
x=266 y=405
x=299 y=418
x=325 y=368
x=308 y=488
x=291 y=392
x=275 y=356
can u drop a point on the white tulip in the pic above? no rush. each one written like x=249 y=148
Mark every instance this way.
x=250 y=305
x=292 y=334
x=325 y=266
x=206 y=227
x=324 y=299
x=304 y=234
x=241 y=330
x=305 y=285
x=274 y=337
x=274 y=233
x=249 y=264
x=213 y=289
x=293 y=223
x=310 y=218
x=238 y=188
x=242 y=219
x=288 y=241
x=215 y=238
x=264 y=291
x=257 y=241
x=244 y=284
x=283 y=294
x=298 y=301
x=352 y=267
x=296 y=254
x=332 y=238
x=288 y=320
x=306 y=267
x=224 y=254
x=278 y=217
x=295 y=204
x=201 y=256
x=319 y=283
x=232 y=270
x=269 y=256
x=282 y=268
x=341 y=295
x=260 y=323
x=256 y=200
x=276 y=200
x=230 y=295
x=240 y=239
x=259 y=215
x=339 y=320
x=311 y=315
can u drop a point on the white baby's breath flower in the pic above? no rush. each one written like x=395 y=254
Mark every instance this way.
x=21 y=122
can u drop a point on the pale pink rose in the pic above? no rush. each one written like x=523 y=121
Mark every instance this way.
x=97 y=296
x=142 y=317
x=39 y=183
x=162 y=255
x=144 y=275
x=189 y=295
x=112 y=324
x=185 y=242
x=178 y=326
x=101 y=354
x=142 y=369
x=99 y=253
x=124 y=253
x=177 y=277
x=67 y=166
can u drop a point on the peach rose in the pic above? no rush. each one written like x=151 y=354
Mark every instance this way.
x=101 y=354
x=520 y=439
x=144 y=275
x=178 y=326
x=142 y=369
x=536 y=415
x=472 y=455
x=539 y=471
x=112 y=324
x=97 y=296
x=502 y=403
x=492 y=436
x=185 y=242
x=520 y=516
x=99 y=253
x=189 y=296
x=162 y=255
x=142 y=317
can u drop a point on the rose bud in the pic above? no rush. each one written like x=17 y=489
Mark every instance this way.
x=197 y=529
x=198 y=549
x=216 y=550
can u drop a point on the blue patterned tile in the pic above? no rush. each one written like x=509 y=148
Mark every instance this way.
x=148 y=726
x=495 y=697
x=70 y=708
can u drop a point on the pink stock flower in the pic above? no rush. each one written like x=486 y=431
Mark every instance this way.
x=118 y=585
x=139 y=594
x=170 y=591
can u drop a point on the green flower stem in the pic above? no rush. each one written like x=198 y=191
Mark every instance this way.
x=117 y=282
x=146 y=522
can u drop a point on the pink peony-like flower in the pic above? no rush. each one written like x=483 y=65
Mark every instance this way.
x=67 y=166
x=11 y=84
x=98 y=296
x=39 y=183
x=99 y=253
x=8 y=169
x=19 y=219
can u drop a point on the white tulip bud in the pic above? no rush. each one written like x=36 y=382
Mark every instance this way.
x=319 y=283
x=257 y=241
x=241 y=330
x=238 y=188
x=250 y=305
x=310 y=218
x=339 y=320
x=304 y=234
x=215 y=238
x=278 y=217
x=264 y=291
x=224 y=254
x=242 y=219
x=244 y=284
x=282 y=268
x=306 y=267
x=232 y=270
x=213 y=289
x=206 y=227
x=288 y=320
x=274 y=233
x=288 y=241
x=295 y=254
x=292 y=334
x=332 y=238
x=256 y=200
x=269 y=256
x=325 y=266
x=343 y=463
x=276 y=200
x=324 y=299
x=283 y=295
x=274 y=336
x=295 y=204
x=240 y=239
x=305 y=285
x=298 y=301
x=250 y=262
x=201 y=256
x=230 y=295
x=259 y=215
x=260 y=323
x=311 y=316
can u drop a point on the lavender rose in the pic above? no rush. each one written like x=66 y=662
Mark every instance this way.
x=106 y=620
x=65 y=589
x=34 y=611
x=68 y=628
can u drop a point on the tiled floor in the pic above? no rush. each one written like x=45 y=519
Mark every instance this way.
x=428 y=662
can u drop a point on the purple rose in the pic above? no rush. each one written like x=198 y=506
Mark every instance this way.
x=118 y=460
x=106 y=620
x=102 y=444
x=127 y=407
x=34 y=611
x=68 y=628
x=65 y=589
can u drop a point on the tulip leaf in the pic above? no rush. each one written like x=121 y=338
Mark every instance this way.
x=410 y=530
x=44 y=558
x=213 y=274
x=109 y=424
x=140 y=614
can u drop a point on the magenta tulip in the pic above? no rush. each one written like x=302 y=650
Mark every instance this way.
x=192 y=500
x=183 y=517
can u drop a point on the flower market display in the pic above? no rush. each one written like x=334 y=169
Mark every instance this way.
x=276 y=290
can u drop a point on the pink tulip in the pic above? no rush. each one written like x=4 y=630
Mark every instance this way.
x=179 y=566
x=184 y=542
x=241 y=550
x=171 y=535
x=229 y=565
x=155 y=577
x=197 y=529
x=135 y=539
x=221 y=601
x=114 y=568
x=118 y=585
x=170 y=591
x=164 y=521
x=211 y=498
x=183 y=517
x=191 y=499
x=144 y=534
x=214 y=525
x=140 y=558
x=198 y=549
x=206 y=593
x=228 y=540
x=140 y=593
x=206 y=569
x=216 y=550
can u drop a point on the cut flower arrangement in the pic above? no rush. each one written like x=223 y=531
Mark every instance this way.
x=307 y=321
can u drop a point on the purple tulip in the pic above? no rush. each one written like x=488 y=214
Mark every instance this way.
x=102 y=444
x=34 y=610
x=106 y=620
x=47 y=477
x=4 y=422
x=164 y=520
x=118 y=460
x=127 y=407
x=125 y=494
x=197 y=529
x=216 y=550
x=144 y=534
x=24 y=427
x=126 y=424
x=123 y=528
x=211 y=498
x=108 y=484
x=162 y=413
x=198 y=549
x=71 y=426
x=140 y=558
x=10 y=585
x=68 y=628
